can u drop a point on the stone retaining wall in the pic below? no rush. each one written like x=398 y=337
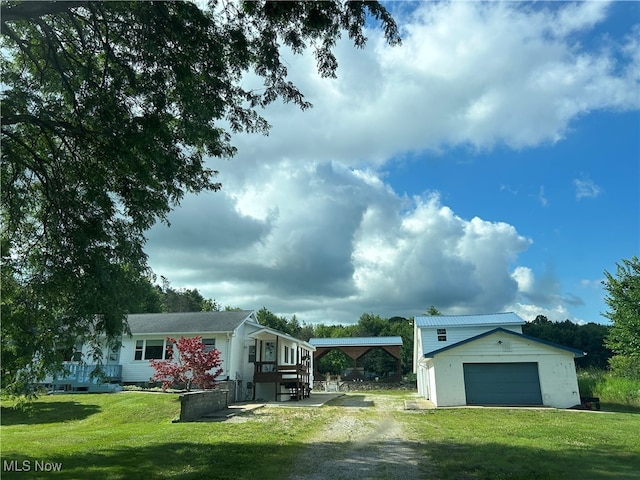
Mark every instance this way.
x=230 y=387
x=194 y=405
x=346 y=386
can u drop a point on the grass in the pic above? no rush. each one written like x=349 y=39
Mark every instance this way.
x=492 y=443
x=111 y=436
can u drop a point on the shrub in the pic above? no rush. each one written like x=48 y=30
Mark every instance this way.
x=625 y=366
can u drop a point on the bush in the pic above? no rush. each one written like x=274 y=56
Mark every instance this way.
x=625 y=366
x=588 y=380
x=609 y=387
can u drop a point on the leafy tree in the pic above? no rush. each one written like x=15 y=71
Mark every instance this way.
x=306 y=332
x=269 y=319
x=370 y=325
x=109 y=111
x=192 y=365
x=432 y=311
x=184 y=300
x=623 y=299
x=289 y=326
x=403 y=327
x=588 y=338
x=334 y=362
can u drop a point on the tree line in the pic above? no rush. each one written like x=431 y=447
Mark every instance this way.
x=590 y=338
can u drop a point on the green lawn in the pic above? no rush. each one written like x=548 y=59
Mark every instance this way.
x=130 y=435
x=112 y=436
x=497 y=443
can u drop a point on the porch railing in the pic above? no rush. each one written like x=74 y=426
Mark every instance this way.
x=82 y=374
x=272 y=372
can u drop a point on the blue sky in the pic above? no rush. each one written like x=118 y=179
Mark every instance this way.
x=490 y=163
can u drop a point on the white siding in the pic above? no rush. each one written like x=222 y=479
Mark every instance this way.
x=417 y=348
x=135 y=371
x=429 y=336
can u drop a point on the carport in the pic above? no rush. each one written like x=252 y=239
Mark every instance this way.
x=356 y=347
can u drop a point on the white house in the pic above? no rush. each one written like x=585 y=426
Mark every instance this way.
x=257 y=361
x=486 y=360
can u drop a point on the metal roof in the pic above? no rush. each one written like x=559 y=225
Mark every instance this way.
x=187 y=322
x=506 y=318
x=355 y=341
x=576 y=353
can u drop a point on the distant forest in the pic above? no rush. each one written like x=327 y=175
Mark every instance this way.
x=588 y=337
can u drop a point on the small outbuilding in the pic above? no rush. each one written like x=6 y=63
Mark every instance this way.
x=486 y=360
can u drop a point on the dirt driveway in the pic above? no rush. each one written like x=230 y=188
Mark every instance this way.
x=363 y=441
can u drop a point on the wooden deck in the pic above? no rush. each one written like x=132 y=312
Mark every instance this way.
x=294 y=378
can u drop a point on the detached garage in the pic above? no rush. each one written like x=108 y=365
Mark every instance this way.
x=500 y=367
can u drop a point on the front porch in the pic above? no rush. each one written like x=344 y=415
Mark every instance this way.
x=86 y=378
x=295 y=379
x=283 y=366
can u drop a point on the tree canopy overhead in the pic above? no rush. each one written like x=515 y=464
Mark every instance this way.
x=109 y=111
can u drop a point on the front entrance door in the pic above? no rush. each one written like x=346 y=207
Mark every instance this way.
x=269 y=356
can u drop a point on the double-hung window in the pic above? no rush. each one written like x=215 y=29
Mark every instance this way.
x=442 y=334
x=209 y=344
x=151 y=350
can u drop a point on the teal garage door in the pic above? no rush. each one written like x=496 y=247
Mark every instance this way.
x=502 y=383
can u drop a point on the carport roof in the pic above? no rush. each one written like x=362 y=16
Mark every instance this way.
x=355 y=341
x=505 y=318
x=576 y=353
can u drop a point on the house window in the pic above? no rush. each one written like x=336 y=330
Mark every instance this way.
x=139 y=350
x=154 y=350
x=113 y=354
x=151 y=350
x=252 y=354
x=209 y=344
x=442 y=334
x=286 y=354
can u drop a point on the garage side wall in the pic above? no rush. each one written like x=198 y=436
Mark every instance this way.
x=556 y=368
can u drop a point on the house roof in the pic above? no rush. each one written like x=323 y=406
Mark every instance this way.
x=576 y=353
x=355 y=341
x=187 y=322
x=261 y=329
x=505 y=318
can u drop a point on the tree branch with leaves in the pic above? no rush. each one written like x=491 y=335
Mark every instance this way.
x=111 y=113
x=623 y=299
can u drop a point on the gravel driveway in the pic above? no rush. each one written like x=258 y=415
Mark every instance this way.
x=364 y=441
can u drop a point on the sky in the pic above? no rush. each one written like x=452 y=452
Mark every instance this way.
x=490 y=163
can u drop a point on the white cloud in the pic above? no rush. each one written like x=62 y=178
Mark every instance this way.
x=323 y=234
x=529 y=312
x=586 y=188
x=306 y=223
x=542 y=198
x=468 y=73
x=525 y=279
x=592 y=284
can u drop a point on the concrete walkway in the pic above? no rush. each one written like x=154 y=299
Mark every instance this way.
x=315 y=400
